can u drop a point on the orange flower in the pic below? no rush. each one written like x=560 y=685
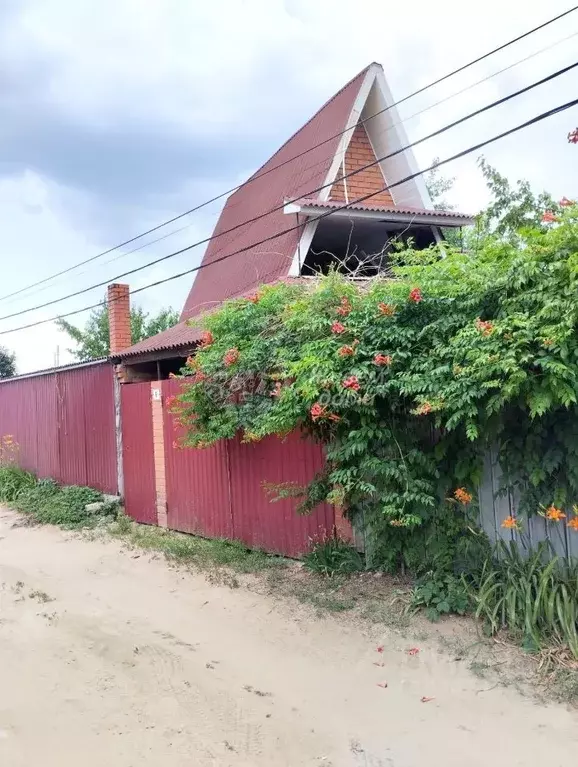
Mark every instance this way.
x=346 y=351
x=396 y=523
x=317 y=411
x=206 y=339
x=338 y=328
x=511 y=523
x=415 y=295
x=549 y=217
x=198 y=377
x=554 y=514
x=462 y=495
x=191 y=362
x=231 y=357
x=484 y=326
x=573 y=523
x=548 y=342
x=382 y=359
x=423 y=409
x=351 y=383
x=386 y=310
x=345 y=307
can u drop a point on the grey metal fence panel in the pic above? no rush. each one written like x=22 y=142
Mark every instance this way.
x=496 y=506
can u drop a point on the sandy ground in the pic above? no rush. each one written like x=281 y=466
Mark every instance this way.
x=134 y=663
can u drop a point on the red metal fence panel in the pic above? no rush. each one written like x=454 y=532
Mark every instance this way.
x=47 y=438
x=218 y=492
x=198 y=485
x=97 y=385
x=137 y=453
x=72 y=408
x=275 y=526
x=64 y=424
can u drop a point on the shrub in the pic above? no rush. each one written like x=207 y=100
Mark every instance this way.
x=533 y=596
x=35 y=496
x=48 y=503
x=333 y=556
x=67 y=507
x=13 y=482
x=406 y=381
x=441 y=594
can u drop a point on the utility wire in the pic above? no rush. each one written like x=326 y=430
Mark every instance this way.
x=440 y=163
x=324 y=160
x=445 y=128
x=258 y=175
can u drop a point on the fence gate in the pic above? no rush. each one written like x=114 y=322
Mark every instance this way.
x=137 y=453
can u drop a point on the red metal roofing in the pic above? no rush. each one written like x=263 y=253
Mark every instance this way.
x=330 y=204
x=183 y=334
x=267 y=262
x=179 y=335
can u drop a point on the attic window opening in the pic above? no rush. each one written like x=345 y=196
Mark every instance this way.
x=359 y=246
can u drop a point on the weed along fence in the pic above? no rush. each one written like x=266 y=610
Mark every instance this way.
x=216 y=492
x=63 y=423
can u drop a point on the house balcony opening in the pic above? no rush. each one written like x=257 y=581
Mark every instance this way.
x=360 y=247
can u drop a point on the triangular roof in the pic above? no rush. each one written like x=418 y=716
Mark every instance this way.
x=262 y=192
x=331 y=142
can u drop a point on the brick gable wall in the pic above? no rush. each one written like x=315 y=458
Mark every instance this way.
x=360 y=153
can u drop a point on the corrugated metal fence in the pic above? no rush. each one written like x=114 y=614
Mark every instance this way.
x=495 y=506
x=64 y=424
x=218 y=492
x=137 y=453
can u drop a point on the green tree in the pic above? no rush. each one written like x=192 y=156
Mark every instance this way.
x=7 y=363
x=92 y=341
x=438 y=186
x=513 y=208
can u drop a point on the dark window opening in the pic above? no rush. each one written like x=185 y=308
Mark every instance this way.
x=153 y=370
x=360 y=246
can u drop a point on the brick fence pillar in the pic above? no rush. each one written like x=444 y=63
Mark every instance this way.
x=159 y=453
x=118 y=301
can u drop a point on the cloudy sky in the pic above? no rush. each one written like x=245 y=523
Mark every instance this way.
x=118 y=114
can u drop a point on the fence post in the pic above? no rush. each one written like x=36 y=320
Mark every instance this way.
x=118 y=431
x=159 y=452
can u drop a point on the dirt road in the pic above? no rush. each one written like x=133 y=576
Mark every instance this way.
x=112 y=658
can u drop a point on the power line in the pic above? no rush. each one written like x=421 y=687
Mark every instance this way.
x=295 y=157
x=440 y=163
x=445 y=128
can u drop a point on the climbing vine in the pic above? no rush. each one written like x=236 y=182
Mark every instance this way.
x=408 y=381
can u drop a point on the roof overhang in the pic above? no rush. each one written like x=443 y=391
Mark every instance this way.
x=376 y=213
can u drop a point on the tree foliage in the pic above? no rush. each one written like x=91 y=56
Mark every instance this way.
x=438 y=186
x=7 y=363
x=407 y=382
x=92 y=341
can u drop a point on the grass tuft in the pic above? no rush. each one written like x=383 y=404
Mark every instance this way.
x=190 y=549
x=333 y=556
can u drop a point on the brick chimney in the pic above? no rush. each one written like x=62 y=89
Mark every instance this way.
x=118 y=301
